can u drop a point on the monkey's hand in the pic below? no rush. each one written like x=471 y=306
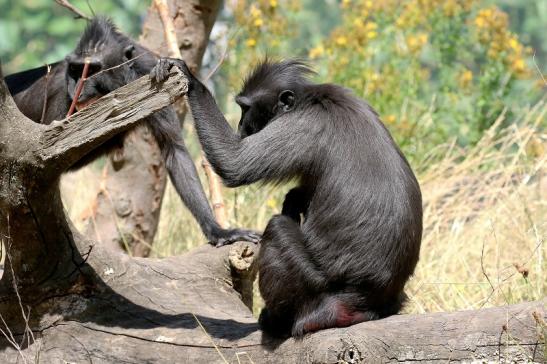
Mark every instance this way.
x=161 y=70
x=223 y=237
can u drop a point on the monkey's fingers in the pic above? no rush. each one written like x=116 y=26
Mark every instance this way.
x=160 y=72
x=237 y=235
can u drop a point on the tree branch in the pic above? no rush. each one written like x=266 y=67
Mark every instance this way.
x=72 y=8
x=65 y=142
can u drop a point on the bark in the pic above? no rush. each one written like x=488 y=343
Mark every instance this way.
x=124 y=215
x=64 y=298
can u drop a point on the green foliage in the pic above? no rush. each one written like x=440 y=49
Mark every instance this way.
x=434 y=69
x=35 y=32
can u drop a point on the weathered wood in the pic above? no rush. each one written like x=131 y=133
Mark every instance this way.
x=150 y=311
x=65 y=141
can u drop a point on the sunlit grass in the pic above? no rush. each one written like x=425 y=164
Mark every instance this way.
x=484 y=218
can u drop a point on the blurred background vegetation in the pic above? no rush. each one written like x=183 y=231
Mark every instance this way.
x=458 y=83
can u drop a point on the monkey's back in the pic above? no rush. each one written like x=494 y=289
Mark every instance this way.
x=364 y=223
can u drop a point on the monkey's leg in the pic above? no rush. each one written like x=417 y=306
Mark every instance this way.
x=296 y=202
x=288 y=277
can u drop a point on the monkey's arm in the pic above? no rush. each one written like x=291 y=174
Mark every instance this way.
x=275 y=153
x=182 y=171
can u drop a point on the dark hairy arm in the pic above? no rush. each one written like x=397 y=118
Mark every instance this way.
x=182 y=172
x=265 y=155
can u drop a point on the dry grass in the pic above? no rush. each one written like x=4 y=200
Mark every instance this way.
x=484 y=218
x=484 y=221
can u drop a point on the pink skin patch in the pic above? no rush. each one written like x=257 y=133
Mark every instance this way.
x=344 y=317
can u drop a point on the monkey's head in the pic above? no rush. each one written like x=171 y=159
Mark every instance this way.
x=271 y=89
x=104 y=47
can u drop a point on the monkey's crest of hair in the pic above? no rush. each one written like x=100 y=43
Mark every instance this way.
x=278 y=75
x=100 y=32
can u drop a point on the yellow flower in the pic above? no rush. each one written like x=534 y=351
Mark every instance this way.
x=390 y=119
x=258 y=22
x=255 y=12
x=316 y=52
x=251 y=42
x=465 y=78
x=273 y=3
x=341 y=40
x=480 y=22
x=518 y=65
x=371 y=34
x=272 y=203
x=514 y=44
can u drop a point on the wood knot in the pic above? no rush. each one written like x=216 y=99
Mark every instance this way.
x=349 y=355
x=123 y=206
x=186 y=43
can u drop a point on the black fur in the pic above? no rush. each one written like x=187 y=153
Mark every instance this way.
x=348 y=260
x=106 y=47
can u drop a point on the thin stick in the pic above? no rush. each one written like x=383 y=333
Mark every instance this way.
x=215 y=188
x=120 y=65
x=222 y=57
x=79 y=88
x=44 y=106
x=537 y=68
x=168 y=28
x=210 y=338
x=69 y=6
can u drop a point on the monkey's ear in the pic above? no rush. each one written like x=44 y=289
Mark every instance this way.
x=286 y=100
x=129 y=51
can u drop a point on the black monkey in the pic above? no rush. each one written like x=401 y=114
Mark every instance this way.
x=106 y=47
x=359 y=242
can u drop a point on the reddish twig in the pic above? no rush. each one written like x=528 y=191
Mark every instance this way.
x=79 y=88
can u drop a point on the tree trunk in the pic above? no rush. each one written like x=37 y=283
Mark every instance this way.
x=64 y=298
x=124 y=215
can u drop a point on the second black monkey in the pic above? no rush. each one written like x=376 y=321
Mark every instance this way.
x=105 y=47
